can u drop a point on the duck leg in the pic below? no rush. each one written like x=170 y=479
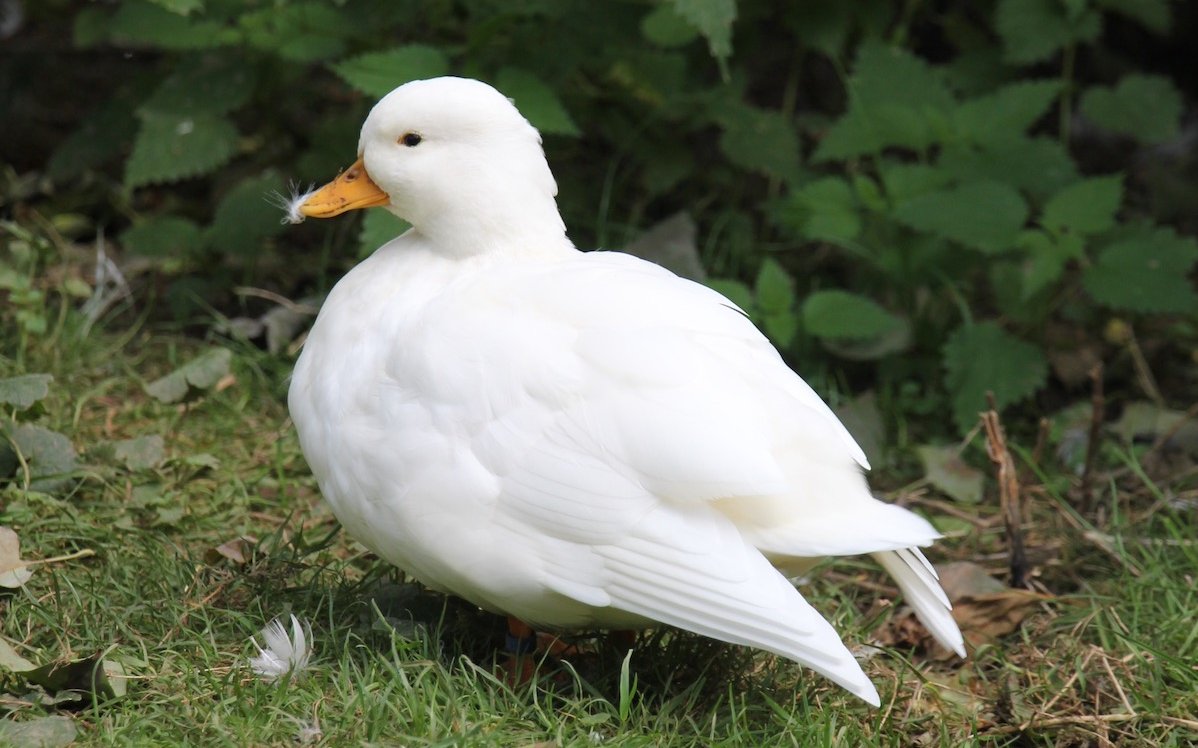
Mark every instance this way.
x=519 y=666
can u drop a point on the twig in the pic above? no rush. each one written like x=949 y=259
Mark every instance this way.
x=283 y=301
x=1080 y=719
x=69 y=557
x=1106 y=543
x=1143 y=373
x=1008 y=492
x=1076 y=674
x=1106 y=664
x=1097 y=414
x=1041 y=440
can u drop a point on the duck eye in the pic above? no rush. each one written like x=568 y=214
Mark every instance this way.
x=410 y=139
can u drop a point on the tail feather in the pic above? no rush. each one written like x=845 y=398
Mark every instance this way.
x=920 y=585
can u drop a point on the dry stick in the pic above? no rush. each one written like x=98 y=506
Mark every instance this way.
x=1041 y=441
x=1143 y=371
x=1097 y=414
x=1008 y=492
x=1079 y=720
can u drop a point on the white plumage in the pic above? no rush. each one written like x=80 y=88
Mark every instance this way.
x=574 y=439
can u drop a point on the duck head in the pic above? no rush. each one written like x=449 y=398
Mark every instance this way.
x=455 y=158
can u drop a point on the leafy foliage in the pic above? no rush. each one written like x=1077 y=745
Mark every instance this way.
x=867 y=181
x=1144 y=107
x=984 y=358
x=376 y=73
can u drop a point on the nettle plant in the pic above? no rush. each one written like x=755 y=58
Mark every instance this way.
x=966 y=219
x=878 y=204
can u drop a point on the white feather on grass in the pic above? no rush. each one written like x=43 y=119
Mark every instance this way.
x=283 y=654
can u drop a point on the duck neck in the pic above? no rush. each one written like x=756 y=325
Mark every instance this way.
x=508 y=224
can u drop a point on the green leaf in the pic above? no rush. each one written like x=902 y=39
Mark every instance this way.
x=1047 y=255
x=781 y=327
x=1032 y=30
x=200 y=373
x=904 y=181
x=1086 y=207
x=897 y=99
x=162 y=236
x=138 y=23
x=182 y=7
x=713 y=19
x=536 y=101
x=1154 y=14
x=170 y=147
x=1038 y=166
x=944 y=469
x=1147 y=270
x=1007 y=112
x=1145 y=107
x=378 y=73
x=983 y=215
x=774 y=288
x=863 y=419
x=49 y=455
x=299 y=31
x=203 y=85
x=844 y=315
x=141 y=453
x=826 y=209
x=378 y=228
x=760 y=140
x=984 y=357
x=103 y=135
x=824 y=26
x=24 y=390
x=665 y=28
x=733 y=290
x=895 y=340
x=246 y=217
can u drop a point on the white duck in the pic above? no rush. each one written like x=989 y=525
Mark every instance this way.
x=573 y=439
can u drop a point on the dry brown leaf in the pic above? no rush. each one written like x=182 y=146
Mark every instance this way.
x=238 y=550
x=983 y=607
x=14 y=571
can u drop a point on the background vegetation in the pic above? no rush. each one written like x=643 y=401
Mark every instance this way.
x=919 y=202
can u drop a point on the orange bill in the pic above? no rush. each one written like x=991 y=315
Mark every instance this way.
x=351 y=190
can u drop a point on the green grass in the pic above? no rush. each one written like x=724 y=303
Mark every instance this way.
x=1110 y=656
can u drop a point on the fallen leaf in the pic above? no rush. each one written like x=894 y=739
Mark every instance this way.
x=944 y=469
x=984 y=607
x=14 y=571
x=1145 y=421
x=24 y=390
x=49 y=455
x=142 y=452
x=10 y=660
x=168 y=515
x=202 y=460
x=238 y=550
x=201 y=373
x=87 y=675
x=43 y=732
